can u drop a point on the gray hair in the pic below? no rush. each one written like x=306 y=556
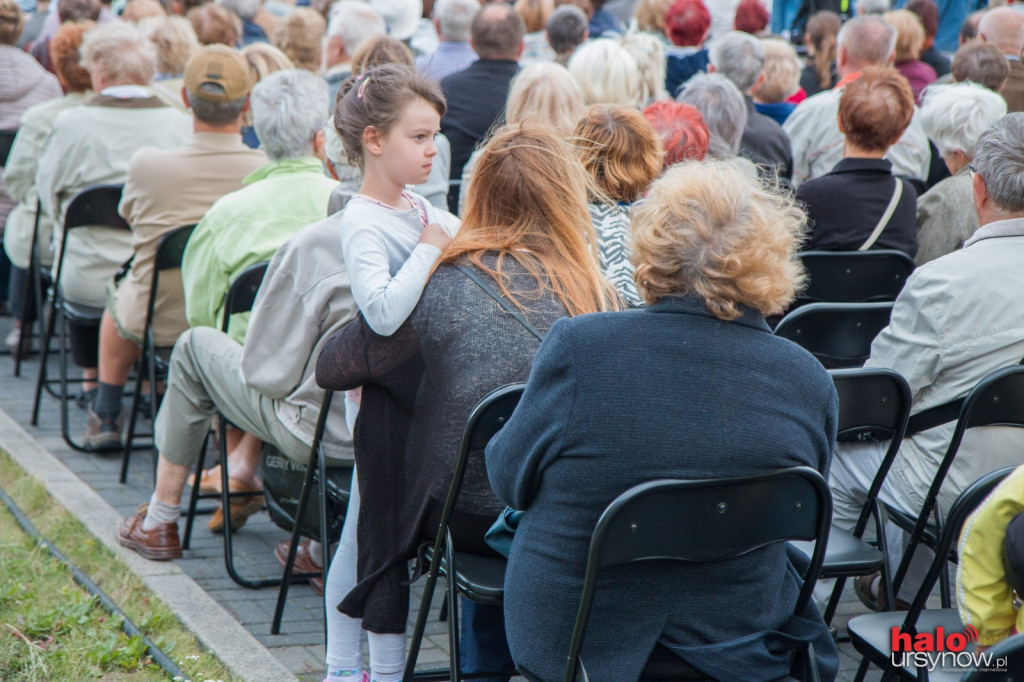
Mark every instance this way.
x=999 y=160
x=566 y=28
x=955 y=116
x=867 y=40
x=724 y=110
x=287 y=111
x=739 y=57
x=865 y=7
x=245 y=9
x=454 y=18
x=122 y=51
x=214 y=113
x=353 y=21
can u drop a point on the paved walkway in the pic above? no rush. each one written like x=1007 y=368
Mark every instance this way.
x=233 y=621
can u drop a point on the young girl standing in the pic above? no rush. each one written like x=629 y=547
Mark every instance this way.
x=390 y=238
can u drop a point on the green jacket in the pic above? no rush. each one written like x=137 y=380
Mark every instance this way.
x=247 y=227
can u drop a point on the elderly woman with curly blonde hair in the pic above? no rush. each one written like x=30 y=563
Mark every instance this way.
x=694 y=386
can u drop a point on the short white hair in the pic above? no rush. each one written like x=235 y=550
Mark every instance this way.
x=739 y=57
x=607 y=73
x=649 y=54
x=954 y=116
x=287 y=111
x=353 y=21
x=121 y=51
x=865 y=7
x=454 y=18
x=245 y=9
x=724 y=110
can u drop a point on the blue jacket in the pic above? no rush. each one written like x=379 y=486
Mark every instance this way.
x=616 y=399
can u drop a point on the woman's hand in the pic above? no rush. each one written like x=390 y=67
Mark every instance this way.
x=435 y=235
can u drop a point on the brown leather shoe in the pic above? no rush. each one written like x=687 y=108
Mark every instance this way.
x=865 y=588
x=241 y=508
x=209 y=481
x=303 y=562
x=160 y=543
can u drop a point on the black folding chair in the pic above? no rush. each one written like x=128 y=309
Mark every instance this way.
x=839 y=335
x=997 y=400
x=240 y=298
x=854 y=276
x=872 y=634
x=39 y=279
x=338 y=485
x=92 y=207
x=152 y=362
x=874 y=405
x=725 y=518
x=479 y=578
x=1012 y=650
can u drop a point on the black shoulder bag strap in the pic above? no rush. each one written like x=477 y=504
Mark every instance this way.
x=501 y=301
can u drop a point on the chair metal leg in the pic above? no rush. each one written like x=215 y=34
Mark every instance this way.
x=421 y=617
x=133 y=411
x=862 y=669
x=27 y=296
x=286 y=578
x=452 y=594
x=193 y=497
x=42 y=380
x=833 y=600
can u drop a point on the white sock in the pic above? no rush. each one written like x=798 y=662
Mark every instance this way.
x=159 y=513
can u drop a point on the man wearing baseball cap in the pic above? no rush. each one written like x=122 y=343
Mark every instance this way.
x=167 y=189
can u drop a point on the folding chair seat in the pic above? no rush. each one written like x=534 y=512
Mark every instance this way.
x=152 y=362
x=92 y=207
x=327 y=528
x=874 y=404
x=997 y=400
x=240 y=298
x=1011 y=649
x=854 y=276
x=726 y=517
x=872 y=634
x=479 y=578
x=839 y=335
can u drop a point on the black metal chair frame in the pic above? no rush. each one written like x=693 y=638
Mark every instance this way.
x=94 y=206
x=486 y=419
x=240 y=298
x=997 y=400
x=839 y=335
x=874 y=404
x=316 y=471
x=854 y=276
x=726 y=518
x=169 y=253
x=6 y=142
x=862 y=627
x=33 y=294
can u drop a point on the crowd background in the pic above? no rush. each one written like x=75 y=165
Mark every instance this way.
x=649 y=166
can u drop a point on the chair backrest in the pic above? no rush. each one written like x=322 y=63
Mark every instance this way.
x=171 y=248
x=725 y=518
x=854 y=276
x=242 y=292
x=96 y=205
x=838 y=334
x=873 y=404
x=1010 y=649
x=6 y=142
x=962 y=508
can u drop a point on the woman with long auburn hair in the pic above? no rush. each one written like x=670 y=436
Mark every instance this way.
x=520 y=261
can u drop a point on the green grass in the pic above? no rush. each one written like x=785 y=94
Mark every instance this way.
x=52 y=629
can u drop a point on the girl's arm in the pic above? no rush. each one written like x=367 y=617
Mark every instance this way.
x=387 y=301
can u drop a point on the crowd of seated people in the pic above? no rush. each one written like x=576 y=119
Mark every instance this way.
x=603 y=200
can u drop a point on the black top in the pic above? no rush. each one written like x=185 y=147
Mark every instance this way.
x=809 y=80
x=476 y=100
x=765 y=143
x=934 y=59
x=844 y=206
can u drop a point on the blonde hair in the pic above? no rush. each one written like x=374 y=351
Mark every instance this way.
x=175 y=42
x=545 y=90
x=528 y=203
x=712 y=230
x=781 y=71
x=650 y=60
x=137 y=10
x=121 y=51
x=265 y=59
x=620 y=149
x=607 y=73
x=300 y=36
x=909 y=34
x=535 y=13
x=650 y=15
x=378 y=51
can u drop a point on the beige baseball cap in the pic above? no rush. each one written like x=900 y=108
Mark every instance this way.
x=219 y=65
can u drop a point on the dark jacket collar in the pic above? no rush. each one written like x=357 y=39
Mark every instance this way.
x=691 y=304
x=863 y=165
